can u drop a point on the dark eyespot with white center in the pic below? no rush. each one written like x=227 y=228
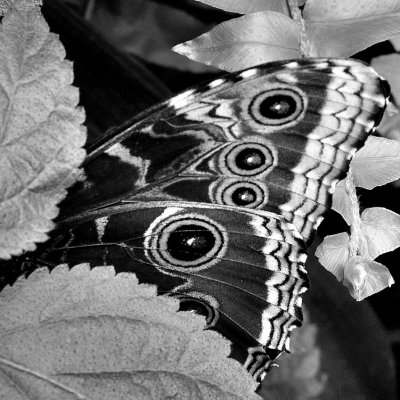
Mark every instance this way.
x=248 y=159
x=277 y=106
x=190 y=242
x=182 y=242
x=242 y=193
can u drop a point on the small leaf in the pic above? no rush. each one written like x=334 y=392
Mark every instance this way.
x=396 y=43
x=336 y=29
x=389 y=66
x=341 y=202
x=333 y=253
x=40 y=128
x=364 y=277
x=85 y=333
x=249 y=6
x=377 y=163
x=381 y=228
x=390 y=126
x=246 y=41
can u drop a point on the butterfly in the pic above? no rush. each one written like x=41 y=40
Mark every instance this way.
x=214 y=194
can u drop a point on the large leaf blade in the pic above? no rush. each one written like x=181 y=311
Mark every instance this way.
x=336 y=30
x=40 y=128
x=85 y=333
x=245 y=42
x=249 y=6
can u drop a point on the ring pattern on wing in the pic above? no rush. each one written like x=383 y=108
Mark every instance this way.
x=247 y=159
x=239 y=192
x=279 y=106
x=185 y=241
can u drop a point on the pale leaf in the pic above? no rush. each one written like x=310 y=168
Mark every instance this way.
x=249 y=6
x=299 y=374
x=396 y=43
x=40 y=128
x=336 y=29
x=333 y=253
x=364 y=277
x=389 y=67
x=381 y=228
x=390 y=126
x=90 y=334
x=246 y=41
x=377 y=163
x=6 y=4
x=341 y=202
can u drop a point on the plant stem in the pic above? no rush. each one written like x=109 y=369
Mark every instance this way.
x=356 y=233
x=295 y=13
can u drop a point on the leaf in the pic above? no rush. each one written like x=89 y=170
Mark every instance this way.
x=364 y=277
x=245 y=41
x=377 y=163
x=333 y=253
x=390 y=126
x=381 y=228
x=249 y=6
x=396 y=43
x=6 y=4
x=339 y=29
x=341 y=202
x=90 y=334
x=299 y=374
x=389 y=66
x=40 y=128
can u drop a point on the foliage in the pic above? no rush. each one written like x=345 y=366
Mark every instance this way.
x=41 y=133
x=85 y=333
x=333 y=29
x=82 y=316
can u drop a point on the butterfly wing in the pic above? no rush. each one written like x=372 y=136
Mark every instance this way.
x=241 y=268
x=276 y=137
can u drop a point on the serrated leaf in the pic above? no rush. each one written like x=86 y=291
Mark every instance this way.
x=246 y=41
x=336 y=29
x=85 y=333
x=333 y=253
x=377 y=163
x=40 y=128
x=341 y=202
x=364 y=277
x=249 y=6
x=6 y=4
x=389 y=66
x=381 y=228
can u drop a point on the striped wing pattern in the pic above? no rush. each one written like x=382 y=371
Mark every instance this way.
x=213 y=194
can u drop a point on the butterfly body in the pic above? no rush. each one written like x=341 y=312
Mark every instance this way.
x=213 y=194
